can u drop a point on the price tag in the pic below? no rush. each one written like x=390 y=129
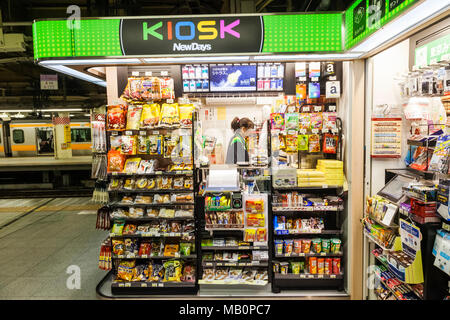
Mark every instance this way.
x=333 y=276
x=256 y=248
x=155 y=132
x=120 y=256
x=301 y=254
x=178 y=172
x=306 y=109
x=332 y=78
x=169 y=100
x=332 y=108
x=114 y=133
x=302 y=276
x=324 y=130
x=255 y=263
x=135 y=73
x=144 y=256
x=154 y=284
x=148 y=73
x=128 y=133
x=323 y=254
x=219 y=264
x=302 y=78
x=177 y=234
x=320 y=276
x=158 y=172
x=177 y=254
x=315 y=79
x=142 y=133
x=112 y=234
x=171 y=234
x=325 y=186
x=160 y=285
x=209 y=264
x=317 y=108
x=303 y=131
x=315 y=130
x=164 y=73
x=121 y=285
x=143 y=285
x=128 y=284
x=244 y=247
x=310 y=276
x=129 y=256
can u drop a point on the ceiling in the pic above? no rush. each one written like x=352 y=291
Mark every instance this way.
x=20 y=76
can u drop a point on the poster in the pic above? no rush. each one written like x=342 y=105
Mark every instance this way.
x=386 y=138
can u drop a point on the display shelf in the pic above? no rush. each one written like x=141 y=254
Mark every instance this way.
x=145 y=219
x=150 y=257
x=302 y=276
x=296 y=188
x=264 y=178
x=152 y=235
x=431 y=143
x=300 y=255
x=278 y=210
x=141 y=284
x=394 y=226
x=290 y=232
x=221 y=228
x=396 y=294
x=232 y=248
x=376 y=241
x=234 y=282
x=146 y=131
x=235 y=264
x=144 y=205
x=156 y=173
x=144 y=191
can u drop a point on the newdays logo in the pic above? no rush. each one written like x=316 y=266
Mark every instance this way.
x=204 y=30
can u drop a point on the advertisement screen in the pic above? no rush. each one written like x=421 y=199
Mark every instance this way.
x=231 y=78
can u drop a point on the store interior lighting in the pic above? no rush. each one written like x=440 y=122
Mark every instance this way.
x=309 y=57
x=404 y=23
x=89 y=62
x=75 y=73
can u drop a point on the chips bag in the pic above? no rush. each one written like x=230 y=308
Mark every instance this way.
x=126 y=270
x=173 y=270
x=330 y=142
x=116 y=117
x=169 y=114
x=150 y=115
x=129 y=145
x=186 y=114
x=131 y=165
x=116 y=161
x=314 y=143
x=303 y=142
x=134 y=117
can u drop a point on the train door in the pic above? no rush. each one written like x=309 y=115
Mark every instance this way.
x=44 y=141
x=6 y=139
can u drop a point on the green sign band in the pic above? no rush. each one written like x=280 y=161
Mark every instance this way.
x=433 y=52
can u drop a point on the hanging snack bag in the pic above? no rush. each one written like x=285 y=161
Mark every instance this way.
x=157 y=272
x=116 y=117
x=304 y=121
x=336 y=265
x=170 y=144
x=146 y=88
x=186 y=115
x=150 y=115
x=314 y=143
x=330 y=142
x=118 y=227
x=303 y=142
x=169 y=115
x=133 y=117
x=155 y=144
x=135 y=88
x=116 y=161
x=115 y=142
x=118 y=247
x=250 y=235
x=320 y=265
x=329 y=120
x=166 y=88
x=132 y=165
x=126 y=270
x=261 y=235
x=129 y=145
x=316 y=120
x=291 y=121
x=277 y=121
x=291 y=143
x=143 y=146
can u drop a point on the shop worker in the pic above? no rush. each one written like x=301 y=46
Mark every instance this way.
x=237 y=150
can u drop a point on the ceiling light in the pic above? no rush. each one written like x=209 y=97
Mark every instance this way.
x=17 y=110
x=61 y=110
x=197 y=59
x=90 y=62
x=411 y=19
x=75 y=73
x=18 y=115
x=309 y=57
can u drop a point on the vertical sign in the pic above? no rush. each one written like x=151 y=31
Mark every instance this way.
x=359 y=19
x=377 y=11
x=49 y=82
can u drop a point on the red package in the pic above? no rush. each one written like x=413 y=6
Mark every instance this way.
x=328 y=265
x=297 y=246
x=336 y=265
x=117 y=117
x=145 y=248
x=116 y=161
x=330 y=142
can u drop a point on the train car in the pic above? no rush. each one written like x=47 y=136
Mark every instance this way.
x=2 y=139
x=31 y=138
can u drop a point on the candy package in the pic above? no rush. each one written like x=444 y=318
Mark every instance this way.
x=329 y=120
x=134 y=117
x=141 y=273
x=302 y=142
x=157 y=272
x=155 y=144
x=314 y=143
x=116 y=116
x=150 y=115
x=129 y=145
x=189 y=273
x=292 y=121
x=118 y=247
x=170 y=250
x=330 y=143
x=116 y=161
x=132 y=165
x=167 y=88
x=173 y=270
x=143 y=146
x=261 y=235
x=115 y=142
x=170 y=145
x=135 y=88
x=277 y=121
x=169 y=114
x=316 y=120
x=126 y=270
x=304 y=121
x=291 y=143
x=250 y=235
x=185 y=248
x=186 y=115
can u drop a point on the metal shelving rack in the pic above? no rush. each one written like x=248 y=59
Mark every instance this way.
x=304 y=280
x=155 y=288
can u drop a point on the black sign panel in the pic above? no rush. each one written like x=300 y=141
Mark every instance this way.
x=359 y=19
x=394 y=4
x=377 y=10
x=191 y=35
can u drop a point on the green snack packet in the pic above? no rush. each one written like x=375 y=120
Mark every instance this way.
x=291 y=121
x=295 y=267
x=185 y=248
x=326 y=245
x=335 y=245
x=303 y=142
x=118 y=227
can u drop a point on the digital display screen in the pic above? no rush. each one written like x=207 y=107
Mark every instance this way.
x=231 y=78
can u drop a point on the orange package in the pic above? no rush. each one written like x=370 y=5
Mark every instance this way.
x=116 y=161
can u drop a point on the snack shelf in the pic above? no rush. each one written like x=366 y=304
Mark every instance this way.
x=396 y=294
x=148 y=131
x=143 y=191
x=221 y=209
x=302 y=276
x=144 y=219
x=149 y=257
x=234 y=282
x=376 y=241
x=152 y=235
x=431 y=143
x=307 y=209
x=394 y=226
x=232 y=248
x=141 y=284
x=299 y=255
x=381 y=261
x=144 y=205
x=264 y=178
x=151 y=174
x=277 y=233
x=217 y=228
x=410 y=194
x=295 y=188
x=235 y=264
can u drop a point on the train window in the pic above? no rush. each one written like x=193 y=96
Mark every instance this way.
x=18 y=136
x=44 y=141
x=81 y=135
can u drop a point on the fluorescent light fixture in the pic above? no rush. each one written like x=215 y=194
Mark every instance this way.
x=46 y=115
x=18 y=115
x=76 y=74
x=198 y=59
x=61 y=110
x=402 y=24
x=90 y=62
x=17 y=110
x=309 y=57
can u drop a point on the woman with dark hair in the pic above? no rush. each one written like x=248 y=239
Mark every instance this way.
x=237 y=150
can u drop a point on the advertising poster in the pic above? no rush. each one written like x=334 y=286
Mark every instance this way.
x=231 y=78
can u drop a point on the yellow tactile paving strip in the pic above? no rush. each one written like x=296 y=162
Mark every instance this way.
x=17 y=209
x=68 y=208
